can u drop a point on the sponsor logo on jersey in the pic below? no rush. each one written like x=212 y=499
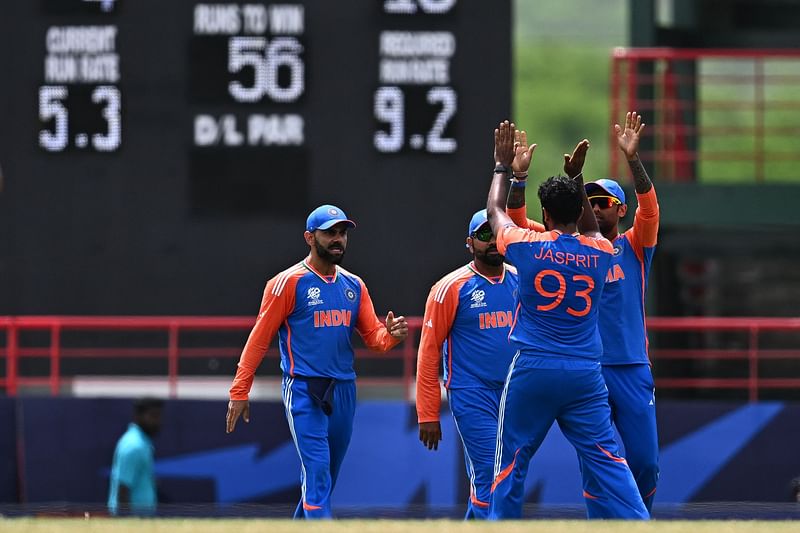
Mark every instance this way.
x=332 y=318
x=313 y=296
x=429 y=323
x=477 y=299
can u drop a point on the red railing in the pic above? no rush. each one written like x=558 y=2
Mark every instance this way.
x=750 y=348
x=173 y=327
x=711 y=113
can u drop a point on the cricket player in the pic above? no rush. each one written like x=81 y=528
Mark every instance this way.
x=313 y=307
x=555 y=375
x=467 y=319
x=625 y=362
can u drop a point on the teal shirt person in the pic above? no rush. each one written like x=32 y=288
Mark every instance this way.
x=132 y=487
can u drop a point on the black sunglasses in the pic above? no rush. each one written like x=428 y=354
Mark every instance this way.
x=604 y=202
x=484 y=233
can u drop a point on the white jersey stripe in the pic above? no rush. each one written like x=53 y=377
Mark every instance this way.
x=498 y=448
x=447 y=281
x=284 y=277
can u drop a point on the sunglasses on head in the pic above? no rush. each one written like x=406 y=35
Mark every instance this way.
x=484 y=233
x=604 y=202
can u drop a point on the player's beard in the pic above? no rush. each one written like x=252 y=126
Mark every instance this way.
x=326 y=255
x=606 y=226
x=490 y=259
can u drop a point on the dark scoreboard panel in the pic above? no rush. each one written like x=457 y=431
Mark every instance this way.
x=161 y=156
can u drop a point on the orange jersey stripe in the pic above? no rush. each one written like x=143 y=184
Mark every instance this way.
x=505 y=472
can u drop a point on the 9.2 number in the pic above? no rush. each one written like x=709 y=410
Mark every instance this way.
x=390 y=108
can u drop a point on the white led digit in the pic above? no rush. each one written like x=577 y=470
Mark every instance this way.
x=52 y=107
x=284 y=52
x=404 y=7
x=447 y=97
x=409 y=7
x=111 y=112
x=389 y=108
x=266 y=59
x=247 y=52
x=436 y=7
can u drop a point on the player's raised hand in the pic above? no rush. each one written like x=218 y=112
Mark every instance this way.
x=523 y=154
x=628 y=137
x=237 y=408
x=504 y=143
x=397 y=327
x=573 y=164
x=430 y=433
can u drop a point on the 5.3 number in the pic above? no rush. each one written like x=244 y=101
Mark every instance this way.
x=52 y=107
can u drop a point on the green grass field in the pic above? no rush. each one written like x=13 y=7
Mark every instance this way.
x=105 y=525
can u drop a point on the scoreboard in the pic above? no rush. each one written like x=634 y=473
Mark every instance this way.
x=161 y=156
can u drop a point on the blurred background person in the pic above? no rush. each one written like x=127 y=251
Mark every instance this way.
x=133 y=487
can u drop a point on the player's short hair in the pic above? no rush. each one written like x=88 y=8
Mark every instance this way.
x=561 y=196
x=147 y=404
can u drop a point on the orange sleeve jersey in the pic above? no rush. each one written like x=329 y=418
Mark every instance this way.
x=520 y=217
x=622 y=315
x=314 y=317
x=465 y=329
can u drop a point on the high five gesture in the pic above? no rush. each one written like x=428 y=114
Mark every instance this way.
x=628 y=141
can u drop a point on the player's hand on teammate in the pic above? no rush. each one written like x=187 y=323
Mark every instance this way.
x=237 y=408
x=430 y=433
x=397 y=327
x=628 y=137
x=573 y=164
x=504 y=143
x=523 y=154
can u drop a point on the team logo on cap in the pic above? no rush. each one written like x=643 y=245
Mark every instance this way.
x=313 y=296
x=350 y=294
x=333 y=212
x=477 y=299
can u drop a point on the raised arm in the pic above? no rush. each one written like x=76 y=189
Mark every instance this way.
x=628 y=141
x=523 y=156
x=573 y=166
x=515 y=207
x=645 y=222
x=498 y=192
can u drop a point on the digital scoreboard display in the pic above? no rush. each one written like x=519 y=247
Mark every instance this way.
x=161 y=156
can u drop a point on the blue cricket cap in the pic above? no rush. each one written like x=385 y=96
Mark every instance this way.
x=326 y=216
x=605 y=187
x=478 y=220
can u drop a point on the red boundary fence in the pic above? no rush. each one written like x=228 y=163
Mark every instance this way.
x=711 y=108
x=14 y=349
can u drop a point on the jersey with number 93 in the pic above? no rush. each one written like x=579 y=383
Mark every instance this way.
x=561 y=278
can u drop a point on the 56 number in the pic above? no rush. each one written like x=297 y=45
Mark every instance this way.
x=266 y=59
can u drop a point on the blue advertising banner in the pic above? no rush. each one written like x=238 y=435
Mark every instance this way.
x=9 y=479
x=709 y=452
